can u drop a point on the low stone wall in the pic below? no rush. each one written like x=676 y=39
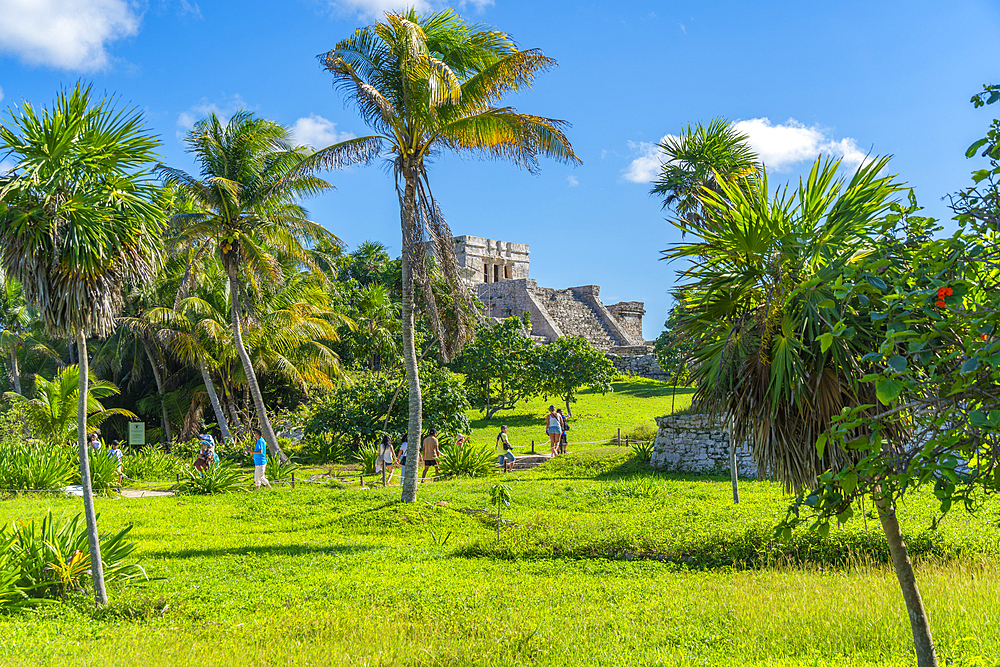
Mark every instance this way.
x=643 y=365
x=697 y=444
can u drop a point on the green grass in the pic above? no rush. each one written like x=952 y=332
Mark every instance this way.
x=604 y=563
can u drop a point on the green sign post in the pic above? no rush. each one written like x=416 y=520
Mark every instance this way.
x=137 y=433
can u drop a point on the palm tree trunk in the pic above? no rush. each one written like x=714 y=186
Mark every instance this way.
x=919 y=624
x=258 y=400
x=220 y=417
x=96 y=566
x=159 y=389
x=15 y=371
x=409 y=212
x=734 y=474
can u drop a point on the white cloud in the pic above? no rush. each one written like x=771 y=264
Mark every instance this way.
x=376 y=9
x=783 y=145
x=67 y=34
x=317 y=132
x=223 y=109
x=572 y=180
x=644 y=168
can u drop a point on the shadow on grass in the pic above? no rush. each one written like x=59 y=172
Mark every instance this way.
x=270 y=550
x=511 y=421
x=646 y=389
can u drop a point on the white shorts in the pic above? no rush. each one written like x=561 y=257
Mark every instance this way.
x=258 y=475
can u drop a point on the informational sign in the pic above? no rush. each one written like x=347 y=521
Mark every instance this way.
x=137 y=433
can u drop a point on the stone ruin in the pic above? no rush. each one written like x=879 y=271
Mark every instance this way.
x=497 y=272
x=698 y=444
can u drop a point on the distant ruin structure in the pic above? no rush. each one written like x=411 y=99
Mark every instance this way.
x=497 y=272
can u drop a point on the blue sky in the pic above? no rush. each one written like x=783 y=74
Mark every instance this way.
x=841 y=78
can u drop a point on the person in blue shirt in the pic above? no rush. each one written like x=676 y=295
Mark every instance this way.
x=259 y=452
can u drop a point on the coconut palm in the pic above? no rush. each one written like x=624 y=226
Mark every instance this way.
x=426 y=84
x=51 y=415
x=763 y=286
x=702 y=157
x=245 y=209
x=78 y=220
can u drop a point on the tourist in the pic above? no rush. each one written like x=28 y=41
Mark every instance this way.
x=563 y=441
x=430 y=453
x=402 y=457
x=117 y=453
x=259 y=452
x=386 y=457
x=460 y=441
x=203 y=459
x=505 y=458
x=553 y=428
x=95 y=442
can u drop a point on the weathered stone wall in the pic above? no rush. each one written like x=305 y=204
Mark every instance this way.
x=697 y=444
x=491 y=261
x=629 y=315
x=644 y=365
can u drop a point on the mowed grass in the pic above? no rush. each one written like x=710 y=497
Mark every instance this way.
x=603 y=563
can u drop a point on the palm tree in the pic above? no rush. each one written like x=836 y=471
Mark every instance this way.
x=245 y=210
x=78 y=220
x=702 y=157
x=426 y=84
x=52 y=413
x=378 y=328
x=763 y=286
x=19 y=328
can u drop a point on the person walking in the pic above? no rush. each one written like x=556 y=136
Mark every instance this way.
x=259 y=453
x=563 y=441
x=430 y=452
x=505 y=458
x=386 y=456
x=116 y=453
x=553 y=428
x=95 y=442
x=401 y=454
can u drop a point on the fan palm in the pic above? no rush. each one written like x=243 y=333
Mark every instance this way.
x=758 y=301
x=245 y=210
x=78 y=220
x=52 y=413
x=702 y=157
x=427 y=84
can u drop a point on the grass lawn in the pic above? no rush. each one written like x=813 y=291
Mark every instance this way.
x=602 y=563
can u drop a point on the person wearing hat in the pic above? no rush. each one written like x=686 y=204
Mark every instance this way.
x=430 y=452
x=553 y=429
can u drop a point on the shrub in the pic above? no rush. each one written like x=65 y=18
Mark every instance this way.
x=32 y=466
x=103 y=470
x=151 y=464
x=643 y=450
x=276 y=471
x=53 y=560
x=367 y=456
x=470 y=461
x=219 y=478
x=318 y=448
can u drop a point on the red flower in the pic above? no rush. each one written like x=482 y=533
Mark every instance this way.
x=940 y=304
x=943 y=292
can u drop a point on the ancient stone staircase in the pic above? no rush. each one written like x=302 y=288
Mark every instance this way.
x=575 y=317
x=529 y=461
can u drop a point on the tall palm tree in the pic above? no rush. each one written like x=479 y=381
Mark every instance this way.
x=702 y=157
x=78 y=220
x=426 y=84
x=763 y=286
x=246 y=211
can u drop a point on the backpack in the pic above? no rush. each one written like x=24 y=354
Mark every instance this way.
x=506 y=445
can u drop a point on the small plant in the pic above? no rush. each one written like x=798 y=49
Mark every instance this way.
x=322 y=449
x=33 y=466
x=500 y=497
x=219 y=478
x=103 y=470
x=469 y=461
x=634 y=487
x=151 y=464
x=367 y=456
x=643 y=450
x=276 y=471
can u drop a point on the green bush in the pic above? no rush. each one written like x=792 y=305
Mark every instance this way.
x=52 y=560
x=219 y=478
x=367 y=456
x=276 y=471
x=151 y=464
x=33 y=466
x=470 y=461
x=643 y=450
x=319 y=448
x=103 y=470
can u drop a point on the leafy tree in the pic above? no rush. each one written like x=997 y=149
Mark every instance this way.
x=51 y=415
x=500 y=366
x=702 y=157
x=79 y=218
x=673 y=350
x=427 y=84
x=566 y=365
x=246 y=210
x=934 y=367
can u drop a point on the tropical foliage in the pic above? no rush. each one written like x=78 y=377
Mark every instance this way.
x=500 y=366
